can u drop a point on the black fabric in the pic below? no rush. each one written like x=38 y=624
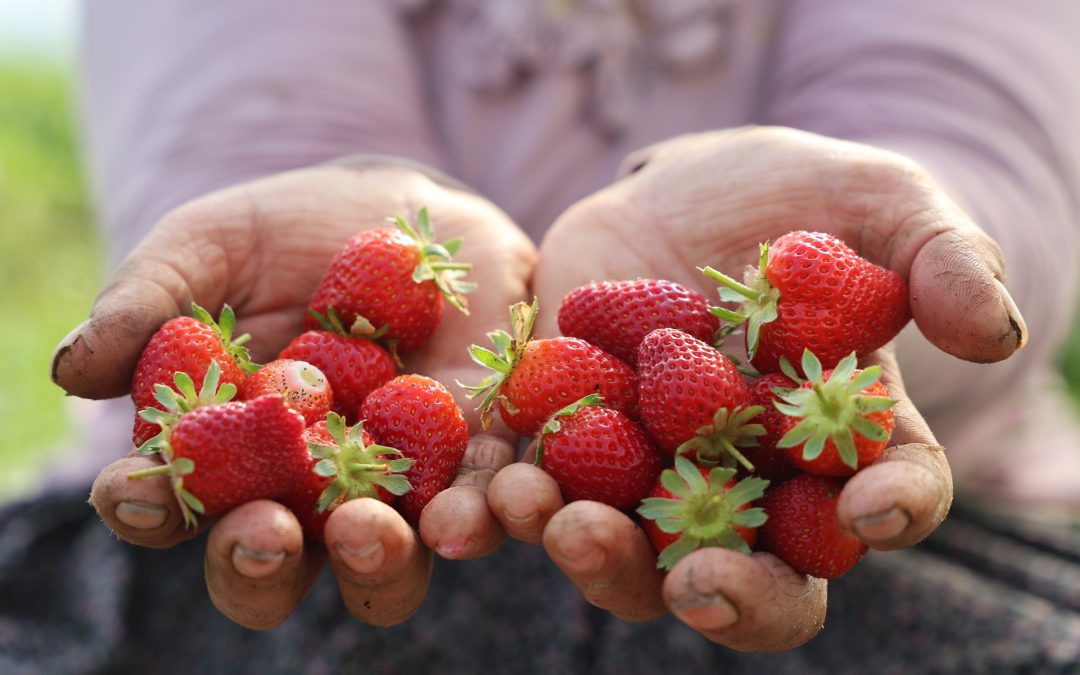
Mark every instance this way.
x=981 y=596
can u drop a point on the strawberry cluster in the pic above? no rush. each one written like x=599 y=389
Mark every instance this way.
x=635 y=405
x=330 y=419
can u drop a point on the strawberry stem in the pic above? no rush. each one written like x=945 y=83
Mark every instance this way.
x=725 y=280
x=161 y=470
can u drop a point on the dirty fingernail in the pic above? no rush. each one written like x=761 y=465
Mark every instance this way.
x=583 y=556
x=141 y=515
x=705 y=612
x=1016 y=319
x=882 y=526
x=363 y=559
x=520 y=518
x=64 y=347
x=454 y=548
x=254 y=563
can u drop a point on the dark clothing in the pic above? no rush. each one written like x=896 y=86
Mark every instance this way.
x=979 y=597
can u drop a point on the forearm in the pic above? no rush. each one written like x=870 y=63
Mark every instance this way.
x=178 y=103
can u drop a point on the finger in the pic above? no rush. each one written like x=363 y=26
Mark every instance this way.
x=257 y=568
x=903 y=497
x=955 y=270
x=143 y=512
x=457 y=524
x=608 y=558
x=523 y=498
x=155 y=283
x=382 y=567
x=752 y=603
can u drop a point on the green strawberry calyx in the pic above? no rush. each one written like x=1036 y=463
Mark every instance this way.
x=223 y=328
x=832 y=409
x=509 y=348
x=757 y=297
x=356 y=469
x=703 y=512
x=176 y=404
x=719 y=442
x=436 y=260
x=361 y=328
x=554 y=424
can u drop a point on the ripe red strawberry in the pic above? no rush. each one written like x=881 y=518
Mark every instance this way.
x=695 y=506
x=345 y=463
x=803 y=530
x=534 y=379
x=596 y=453
x=304 y=387
x=222 y=455
x=811 y=291
x=393 y=278
x=838 y=421
x=187 y=344
x=770 y=461
x=693 y=399
x=418 y=416
x=354 y=366
x=617 y=315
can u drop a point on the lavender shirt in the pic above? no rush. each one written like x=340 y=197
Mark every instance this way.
x=535 y=102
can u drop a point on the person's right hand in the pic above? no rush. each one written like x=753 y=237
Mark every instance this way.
x=262 y=248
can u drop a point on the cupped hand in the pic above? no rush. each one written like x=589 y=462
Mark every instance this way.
x=710 y=199
x=262 y=248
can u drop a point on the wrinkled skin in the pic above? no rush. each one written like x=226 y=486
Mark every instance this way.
x=252 y=247
x=710 y=199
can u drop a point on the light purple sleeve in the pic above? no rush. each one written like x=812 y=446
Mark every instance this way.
x=179 y=100
x=986 y=96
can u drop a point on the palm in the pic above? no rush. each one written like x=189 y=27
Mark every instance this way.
x=264 y=247
x=710 y=199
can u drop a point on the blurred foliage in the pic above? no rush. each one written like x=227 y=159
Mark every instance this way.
x=1070 y=361
x=49 y=262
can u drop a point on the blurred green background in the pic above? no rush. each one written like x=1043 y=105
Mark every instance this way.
x=50 y=259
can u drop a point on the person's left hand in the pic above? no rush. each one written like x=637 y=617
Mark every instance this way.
x=710 y=199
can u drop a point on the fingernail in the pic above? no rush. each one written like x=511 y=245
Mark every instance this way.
x=583 y=556
x=706 y=612
x=141 y=515
x=1016 y=319
x=454 y=548
x=254 y=563
x=882 y=526
x=365 y=559
x=520 y=519
x=64 y=347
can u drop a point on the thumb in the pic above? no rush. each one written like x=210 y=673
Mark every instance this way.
x=954 y=269
x=156 y=282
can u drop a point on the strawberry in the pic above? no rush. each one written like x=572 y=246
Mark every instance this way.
x=393 y=279
x=534 y=379
x=187 y=344
x=803 y=530
x=596 y=453
x=770 y=461
x=693 y=506
x=224 y=454
x=354 y=366
x=617 y=315
x=303 y=386
x=418 y=416
x=838 y=421
x=811 y=291
x=345 y=463
x=693 y=399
